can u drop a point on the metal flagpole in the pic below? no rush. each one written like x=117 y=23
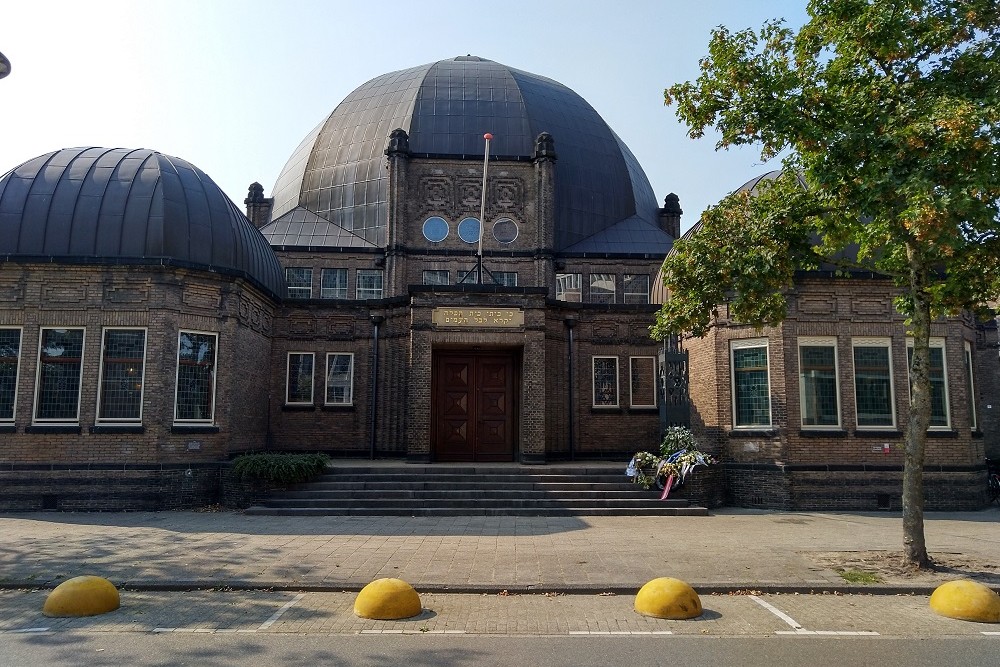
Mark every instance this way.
x=482 y=209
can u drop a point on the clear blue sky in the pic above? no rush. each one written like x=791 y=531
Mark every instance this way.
x=234 y=86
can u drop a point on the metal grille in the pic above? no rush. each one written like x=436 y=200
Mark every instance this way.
x=818 y=375
x=122 y=370
x=606 y=381
x=602 y=288
x=10 y=352
x=873 y=386
x=334 y=284
x=636 y=288
x=60 y=359
x=753 y=402
x=195 y=377
x=300 y=378
x=369 y=284
x=339 y=379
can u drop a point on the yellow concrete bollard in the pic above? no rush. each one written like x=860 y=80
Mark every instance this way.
x=667 y=597
x=387 y=600
x=966 y=600
x=82 y=596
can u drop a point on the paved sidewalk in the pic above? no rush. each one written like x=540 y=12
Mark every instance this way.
x=729 y=550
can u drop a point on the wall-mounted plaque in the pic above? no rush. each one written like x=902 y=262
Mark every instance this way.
x=475 y=318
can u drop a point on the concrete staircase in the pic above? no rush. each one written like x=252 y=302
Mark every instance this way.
x=399 y=489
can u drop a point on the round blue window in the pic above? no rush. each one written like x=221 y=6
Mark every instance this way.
x=468 y=230
x=435 y=229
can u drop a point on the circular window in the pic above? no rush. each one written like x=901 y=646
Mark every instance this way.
x=505 y=230
x=435 y=229
x=468 y=230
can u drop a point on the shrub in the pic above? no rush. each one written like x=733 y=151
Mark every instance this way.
x=280 y=469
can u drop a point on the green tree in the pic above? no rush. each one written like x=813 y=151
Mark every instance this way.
x=887 y=115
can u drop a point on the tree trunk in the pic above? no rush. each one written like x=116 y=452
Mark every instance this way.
x=918 y=419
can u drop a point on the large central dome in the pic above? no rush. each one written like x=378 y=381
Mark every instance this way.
x=338 y=171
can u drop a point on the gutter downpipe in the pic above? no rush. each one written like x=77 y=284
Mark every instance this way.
x=571 y=322
x=376 y=320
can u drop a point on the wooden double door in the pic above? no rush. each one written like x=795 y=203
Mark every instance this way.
x=473 y=406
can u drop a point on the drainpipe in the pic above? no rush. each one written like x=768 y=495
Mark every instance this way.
x=376 y=320
x=571 y=322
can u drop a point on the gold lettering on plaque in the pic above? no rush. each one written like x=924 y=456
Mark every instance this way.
x=478 y=317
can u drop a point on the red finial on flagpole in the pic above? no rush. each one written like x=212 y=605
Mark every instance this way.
x=487 y=136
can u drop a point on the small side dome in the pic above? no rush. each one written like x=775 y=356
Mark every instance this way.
x=120 y=206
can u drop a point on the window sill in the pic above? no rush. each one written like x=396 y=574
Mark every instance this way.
x=606 y=409
x=644 y=409
x=877 y=433
x=753 y=433
x=823 y=433
x=296 y=407
x=338 y=408
x=942 y=433
x=194 y=428
x=8 y=428
x=975 y=434
x=117 y=428
x=54 y=428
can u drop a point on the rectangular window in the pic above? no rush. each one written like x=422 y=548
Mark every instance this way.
x=60 y=360
x=569 y=287
x=339 y=378
x=636 y=288
x=369 y=284
x=505 y=278
x=299 y=280
x=873 y=391
x=818 y=393
x=939 y=384
x=605 y=382
x=299 y=381
x=970 y=387
x=123 y=362
x=10 y=356
x=602 y=288
x=751 y=383
x=195 y=395
x=334 y=284
x=642 y=380
x=436 y=277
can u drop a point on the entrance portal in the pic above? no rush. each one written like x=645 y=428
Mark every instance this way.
x=473 y=406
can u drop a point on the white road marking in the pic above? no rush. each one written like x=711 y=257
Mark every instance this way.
x=777 y=612
x=799 y=630
x=620 y=632
x=276 y=615
x=994 y=634
x=412 y=632
x=23 y=631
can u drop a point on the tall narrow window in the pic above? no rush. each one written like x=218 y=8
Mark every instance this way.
x=636 y=288
x=939 y=385
x=195 y=396
x=751 y=383
x=123 y=360
x=602 y=288
x=873 y=391
x=60 y=360
x=299 y=381
x=642 y=381
x=339 y=378
x=818 y=394
x=299 y=280
x=605 y=382
x=334 y=284
x=10 y=355
x=970 y=387
x=569 y=287
x=369 y=284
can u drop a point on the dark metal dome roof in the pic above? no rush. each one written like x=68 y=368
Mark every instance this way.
x=338 y=171
x=122 y=206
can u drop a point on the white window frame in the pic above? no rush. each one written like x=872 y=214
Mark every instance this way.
x=142 y=377
x=326 y=379
x=569 y=284
x=359 y=289
x=435 y=272
x=742 y=344
x=971 y=377
x=17 y=372
x=288 y=378
x=505 y=273
x=631 y=373
x=322 y=288
x=53 y=421
x=819 y=341
x=593 y=381
x=306 y=292
x=935 y=342
x=215 y=377
x=874 y=342
x=626 y=294
x=595 y=279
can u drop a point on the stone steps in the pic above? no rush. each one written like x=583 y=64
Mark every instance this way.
x=472 y=490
